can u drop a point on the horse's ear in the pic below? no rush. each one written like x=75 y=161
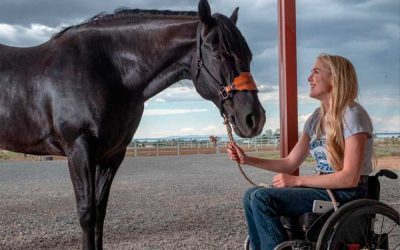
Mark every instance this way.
x=234 y=16
x=205 y=13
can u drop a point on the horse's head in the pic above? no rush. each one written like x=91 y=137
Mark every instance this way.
x=221 y=71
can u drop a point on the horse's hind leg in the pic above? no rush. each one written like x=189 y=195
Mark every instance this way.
x=82 y=168
x=105 y=173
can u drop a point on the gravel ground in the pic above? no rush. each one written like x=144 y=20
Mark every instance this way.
x=187 y=202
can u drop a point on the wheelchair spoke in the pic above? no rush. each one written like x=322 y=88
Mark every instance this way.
x=386 y=237
x=367 y=223
x=363 y=234
x=383 y=219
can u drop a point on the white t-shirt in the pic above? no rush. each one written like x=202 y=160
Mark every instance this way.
x=356 y=120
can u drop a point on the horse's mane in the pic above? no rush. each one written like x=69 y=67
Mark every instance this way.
x=232 y=41
x=227 y=31
x=127 y=13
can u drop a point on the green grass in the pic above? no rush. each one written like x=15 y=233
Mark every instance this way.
x=387 y=150
x=6 y=155
x=382 y=149
x=10 y=156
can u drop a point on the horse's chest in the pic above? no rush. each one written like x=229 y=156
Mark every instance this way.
x=119 y=126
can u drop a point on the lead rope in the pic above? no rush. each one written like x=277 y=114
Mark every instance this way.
x=334 y=202
x=230 y=137
x=330 y=193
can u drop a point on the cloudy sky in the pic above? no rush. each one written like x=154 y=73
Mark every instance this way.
x=365 y=31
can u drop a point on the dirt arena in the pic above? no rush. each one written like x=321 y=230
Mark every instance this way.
x=170 y=202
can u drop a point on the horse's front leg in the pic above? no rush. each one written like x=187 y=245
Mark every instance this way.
x=105 y=173
x=82 y=168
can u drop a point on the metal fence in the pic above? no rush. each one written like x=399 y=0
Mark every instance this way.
x=203 y=145
x=198 y=145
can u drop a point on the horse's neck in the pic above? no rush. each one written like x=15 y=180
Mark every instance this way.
x=155 y=58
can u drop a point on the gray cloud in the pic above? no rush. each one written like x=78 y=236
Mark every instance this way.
x=55 y=12
x=365 y=31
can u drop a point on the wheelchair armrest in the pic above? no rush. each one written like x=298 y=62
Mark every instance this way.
x=374 y=187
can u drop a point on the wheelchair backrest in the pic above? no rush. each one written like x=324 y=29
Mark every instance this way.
x=374 y=187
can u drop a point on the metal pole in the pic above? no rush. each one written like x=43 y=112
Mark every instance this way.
x=135 y=147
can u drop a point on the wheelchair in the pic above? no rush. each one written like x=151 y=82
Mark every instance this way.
x=359 y=224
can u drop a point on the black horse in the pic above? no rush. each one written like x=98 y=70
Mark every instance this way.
x=82 y=93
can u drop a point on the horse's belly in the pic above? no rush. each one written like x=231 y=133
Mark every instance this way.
x=21 y=139
x=25 y=129
x=43 y=147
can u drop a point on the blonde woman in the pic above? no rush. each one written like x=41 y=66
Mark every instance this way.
x=339 y=137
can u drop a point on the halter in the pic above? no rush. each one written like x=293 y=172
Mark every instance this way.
x=242 y=82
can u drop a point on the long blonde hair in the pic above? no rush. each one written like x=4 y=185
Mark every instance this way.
x=344 y=92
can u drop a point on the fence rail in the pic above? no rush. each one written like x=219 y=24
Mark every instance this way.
x=203 y=145
x=190 y=146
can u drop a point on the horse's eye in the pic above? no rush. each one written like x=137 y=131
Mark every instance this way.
x=217 y=57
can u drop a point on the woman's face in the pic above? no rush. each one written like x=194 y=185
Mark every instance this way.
x=320 y=82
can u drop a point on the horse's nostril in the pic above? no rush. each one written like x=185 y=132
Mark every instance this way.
x=250 y=121
x=232 y=119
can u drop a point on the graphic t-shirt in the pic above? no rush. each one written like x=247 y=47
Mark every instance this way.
x=356 y=120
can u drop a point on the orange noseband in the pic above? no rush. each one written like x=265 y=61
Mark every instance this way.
x=242 y=82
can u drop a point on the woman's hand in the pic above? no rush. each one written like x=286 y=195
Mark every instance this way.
x=236 y=153
x=285 y=180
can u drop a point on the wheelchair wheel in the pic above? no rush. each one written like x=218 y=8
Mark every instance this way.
x=361 y=224
x=293 y=244
x=287 y=245
x=247 y=243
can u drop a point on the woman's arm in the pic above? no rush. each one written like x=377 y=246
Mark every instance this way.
x=285 y=165
x=346 y=178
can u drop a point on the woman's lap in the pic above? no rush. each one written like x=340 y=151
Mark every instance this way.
x=296 y=201
x=264 y=207
x=288 y=201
